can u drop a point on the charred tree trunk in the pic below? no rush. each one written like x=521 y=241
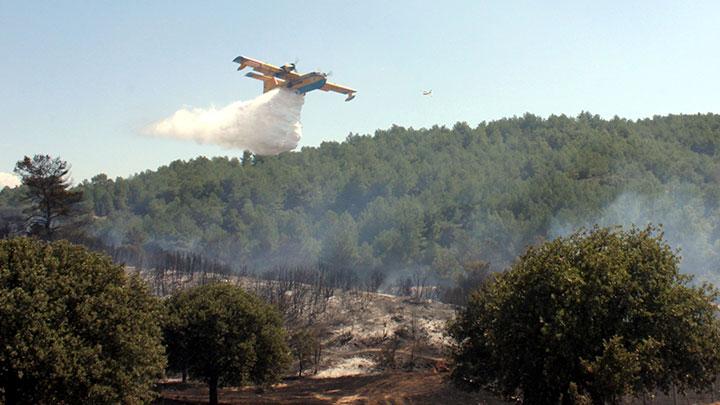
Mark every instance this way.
x=12 y=396
x=213 y=386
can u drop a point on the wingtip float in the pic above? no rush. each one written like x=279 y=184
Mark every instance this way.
x=286 y=76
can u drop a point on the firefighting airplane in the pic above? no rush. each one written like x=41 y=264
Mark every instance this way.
x=286 y=76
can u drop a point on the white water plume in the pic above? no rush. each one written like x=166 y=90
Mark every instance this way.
x=266 y=125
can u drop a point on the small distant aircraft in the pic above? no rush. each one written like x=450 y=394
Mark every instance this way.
x=286 y=76
x=427 y=93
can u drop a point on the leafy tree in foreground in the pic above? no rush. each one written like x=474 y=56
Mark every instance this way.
x=227 y=337
x=48 y=188
x=74 y=328
x=601 y=314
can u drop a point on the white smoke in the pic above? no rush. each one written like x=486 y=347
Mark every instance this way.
x=267 y=125
x=686 y=225
x=8 y=180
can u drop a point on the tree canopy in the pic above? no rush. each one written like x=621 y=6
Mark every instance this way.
x=434 y=197
x=74 y=328
x=48 y=189
x=225 y=336
x=601 y=313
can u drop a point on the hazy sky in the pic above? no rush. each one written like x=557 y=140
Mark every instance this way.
x=80 y=79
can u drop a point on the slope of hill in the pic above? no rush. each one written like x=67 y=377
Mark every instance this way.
x=374 y=348
x=359 y=328
x=405 y=199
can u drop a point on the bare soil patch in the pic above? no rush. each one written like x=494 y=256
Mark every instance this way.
x=416 y=387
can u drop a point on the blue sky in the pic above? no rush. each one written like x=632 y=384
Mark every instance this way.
x=80 y=79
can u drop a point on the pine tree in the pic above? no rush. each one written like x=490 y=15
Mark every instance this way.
x=48 y=189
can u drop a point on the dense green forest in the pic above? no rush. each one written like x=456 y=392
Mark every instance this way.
x=405 y=199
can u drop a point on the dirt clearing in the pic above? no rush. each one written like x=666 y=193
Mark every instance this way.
x=381 y=388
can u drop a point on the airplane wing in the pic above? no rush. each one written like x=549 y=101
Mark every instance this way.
x=258 y=66
x=339 y=89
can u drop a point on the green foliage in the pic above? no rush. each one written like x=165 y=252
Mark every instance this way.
x=74 y=328
x=410 y=198
x=48 y=190
x=601 y=313
x=304 y=345
x=225 y=336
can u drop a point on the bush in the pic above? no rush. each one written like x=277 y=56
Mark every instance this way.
x=74 y=328
x=306 y=348
x=599 y=314
x=225 y=336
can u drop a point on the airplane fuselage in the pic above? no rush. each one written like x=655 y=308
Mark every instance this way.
x=286 y=76
x=300 y=84
x=307 y=82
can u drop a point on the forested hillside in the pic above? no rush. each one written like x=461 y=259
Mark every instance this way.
x=433 y=198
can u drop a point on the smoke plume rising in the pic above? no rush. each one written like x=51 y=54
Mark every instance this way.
x=686 y=225
x=266 y=125
x=8 y=180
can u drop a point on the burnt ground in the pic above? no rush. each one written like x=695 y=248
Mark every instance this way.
x=396 y=388
x=356 y=330
x=399 y=387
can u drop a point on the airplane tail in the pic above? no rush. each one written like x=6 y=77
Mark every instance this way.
x=269 y=82
x=242 y=61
